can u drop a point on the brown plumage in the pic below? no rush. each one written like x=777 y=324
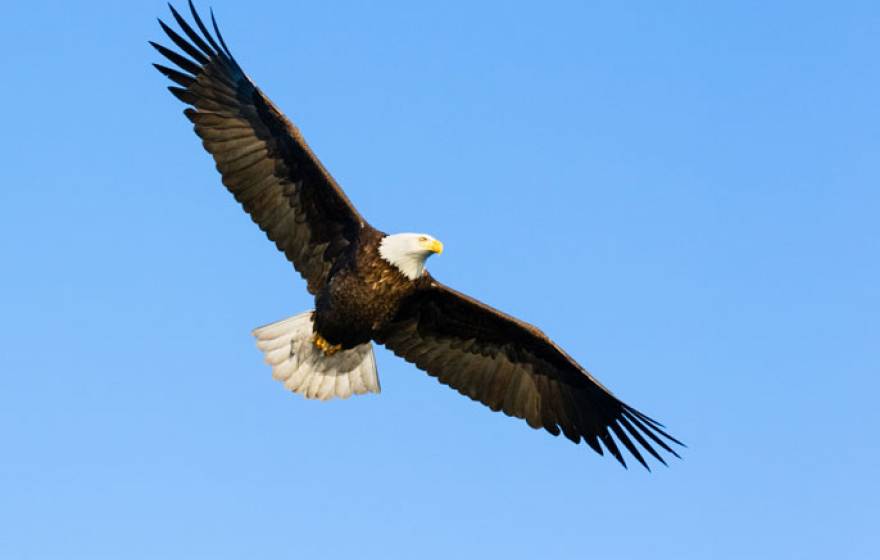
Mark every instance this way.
x=493 y=358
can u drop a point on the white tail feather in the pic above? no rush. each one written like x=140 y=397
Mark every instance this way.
x=303 y=368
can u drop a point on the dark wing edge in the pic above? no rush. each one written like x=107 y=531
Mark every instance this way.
x=262 y=157
x=511 y=366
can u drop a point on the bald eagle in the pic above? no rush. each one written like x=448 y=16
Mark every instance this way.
x=373 y=287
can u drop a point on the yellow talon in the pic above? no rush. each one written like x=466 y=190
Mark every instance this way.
x=326 y=347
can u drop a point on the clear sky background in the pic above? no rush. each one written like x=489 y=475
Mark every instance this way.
x=683 y=194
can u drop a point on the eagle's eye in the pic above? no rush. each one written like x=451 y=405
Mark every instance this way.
x=422 y=239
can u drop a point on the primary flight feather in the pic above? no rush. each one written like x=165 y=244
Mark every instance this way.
x=371 y=286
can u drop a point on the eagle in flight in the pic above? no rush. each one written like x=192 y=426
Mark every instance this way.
x=370 y=286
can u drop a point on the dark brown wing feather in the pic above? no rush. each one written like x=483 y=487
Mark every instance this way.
x=511 y=366
x=262 y=157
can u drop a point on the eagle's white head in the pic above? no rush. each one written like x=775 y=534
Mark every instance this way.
x=409 y=251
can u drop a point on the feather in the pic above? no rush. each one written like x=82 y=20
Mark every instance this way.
x=178 y=78
x=193 y=36
x=205 y=33
x=193 y=52
x=181 y=61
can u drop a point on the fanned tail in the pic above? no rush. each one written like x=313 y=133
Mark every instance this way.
x=303 y=368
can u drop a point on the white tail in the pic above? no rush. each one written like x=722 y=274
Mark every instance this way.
x=305 y=369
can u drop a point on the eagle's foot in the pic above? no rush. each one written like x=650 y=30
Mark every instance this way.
x=325 y=347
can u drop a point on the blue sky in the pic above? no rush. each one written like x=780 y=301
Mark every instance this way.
x=684 y=196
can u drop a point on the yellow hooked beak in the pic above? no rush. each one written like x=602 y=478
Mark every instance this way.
x=434 y=246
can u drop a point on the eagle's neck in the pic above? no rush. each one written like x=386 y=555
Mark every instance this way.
x=400 y=253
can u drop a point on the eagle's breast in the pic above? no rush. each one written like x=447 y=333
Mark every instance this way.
x=362 y=296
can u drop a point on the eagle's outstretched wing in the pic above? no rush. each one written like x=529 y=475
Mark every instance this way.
x=261 y=155
x=511 y=366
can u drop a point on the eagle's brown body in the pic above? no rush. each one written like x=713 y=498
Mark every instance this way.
x=362 y=295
